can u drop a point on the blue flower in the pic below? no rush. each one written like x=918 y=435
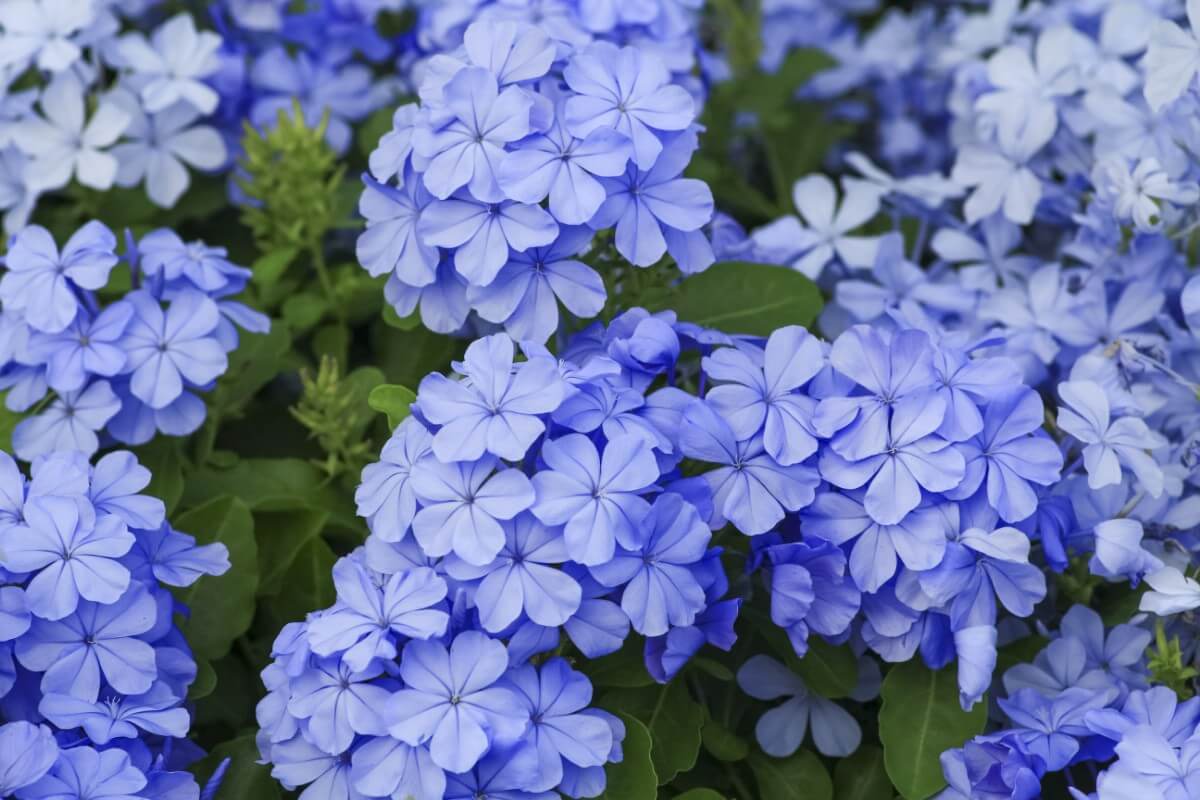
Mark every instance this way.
x=69 y=423
x=82 y=772
x=74 y=552
x=39 y=280
x=116 y=480
x=163 y=255
x=565 y=168
x=658 y=572
x=628 y=90
x=1050 y=727
x=339 y=702
x=749 y=489
x=27 y=752
x=484 y=232
x=810 y=592
x=918 y=540
x=452 y=700
x=781 y=730
x=1109 y=444
x=467 y=151
x=463 y=504
x=496 y=410
x=171 y=66
x=524 y=578
x=598 y=498
x=981 y=567
x=655 y=210
x=910 y=458
x=96 y=642
x=761 y=393
x=386 y=497
x=384 y=767
x=391 y=243
x=167 y=348
x=525 y=293
x=158 y=712
x=367 y=618
x=562 y=727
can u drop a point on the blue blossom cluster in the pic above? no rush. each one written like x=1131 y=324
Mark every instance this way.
x=121 y=370
x=524 y=145
x=322 y=55
x=93 y=671
x=1083 y=700
x=1039 y=160
x=522 y=500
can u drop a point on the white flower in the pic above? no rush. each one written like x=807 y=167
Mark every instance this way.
x=43 y=32
x=170 y=66
x=158 y=146
x=64 y=142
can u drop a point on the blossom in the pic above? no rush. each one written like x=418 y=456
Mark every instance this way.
x=657 y=211
x=562 y=728
x=29 y=751
x=463 y=504
x=760 y=394
x=167 y=348
x=157 y=712
x=1108 y=444
x=85 y=772
x=64 y=142
x=171 y=65
x=525 y=293
x=70 y=422
x=1172 y=59
x=44 y=32
x=339 y=702
x=74 y=552
x=524 y=578
x=468 y=151
x=452 y=700
x=660 y=588
x=484 y=232
x=391 y=243
x=627 y=90
x=367 y=617
x=39 y=278
x=497 y=411
x=385 y=496
x=824 y=228
x=95 y=642
x=1049 y=727
x=598 y=498
x=159 y=147
x=781 y=730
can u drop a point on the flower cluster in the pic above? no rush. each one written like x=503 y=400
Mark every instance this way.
x=127 y=368
x=1041 y=156
x=100 y=106
x=93 y=670
x=524 y=145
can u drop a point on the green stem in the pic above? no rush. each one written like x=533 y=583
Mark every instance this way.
x=779 y=182
x=318 y=257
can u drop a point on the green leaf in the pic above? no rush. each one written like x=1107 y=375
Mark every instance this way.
x=393 y=400
x=309 y=583
x=163 y=458
x=862 y=776
x=258 y=358
x=222 y=606
x=304 y=310
x=206 y=680
x=829 y=670
x=271 y=267
x=625 y=669
x=797 y=777
x=712 y=667
x=411 y=322
x=633 y=778
x=722 y=743
x=743 y=297
x=273 y=484
x=700 y=794
x=245 y=778
x=921 y=719
x=673 y=719
x=8 y=421
x=281 y=537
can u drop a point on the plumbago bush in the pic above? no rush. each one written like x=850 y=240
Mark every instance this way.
x=599 y=399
